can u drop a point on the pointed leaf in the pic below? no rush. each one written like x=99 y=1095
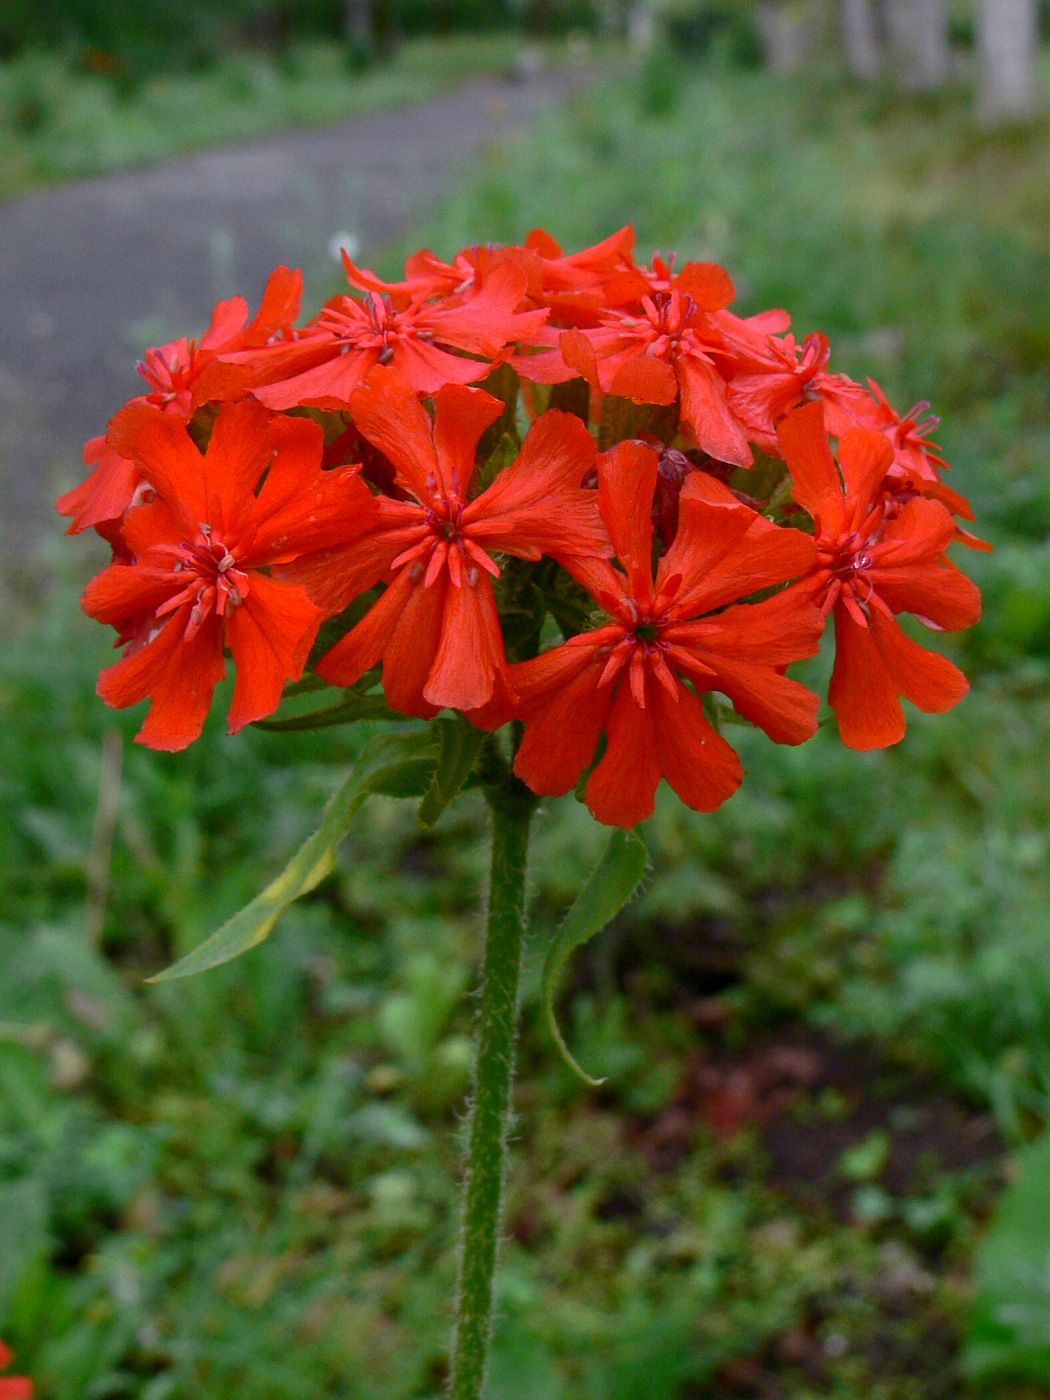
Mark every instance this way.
x=505 y=451
x=1010 y=1333
x=396 y=765
x=458 y=745
x=612 y=883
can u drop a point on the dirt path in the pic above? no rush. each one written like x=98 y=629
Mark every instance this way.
x=93 y=272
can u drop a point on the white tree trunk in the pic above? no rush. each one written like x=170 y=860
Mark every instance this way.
x=1008 y=86
x=860 y=38
x=786 y=34
x=918 y=34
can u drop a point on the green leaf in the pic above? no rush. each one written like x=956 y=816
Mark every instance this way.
x=1011 y=1325
x=458 y=745
x=354 y=707
x=399 y=765
x=307 y=686
x=612 y=883
x=501 y=456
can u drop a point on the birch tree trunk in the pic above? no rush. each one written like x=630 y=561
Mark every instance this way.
x=860 y=39
x=1008 y=86
x=918 y=35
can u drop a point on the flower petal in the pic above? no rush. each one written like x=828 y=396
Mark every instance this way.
x=470 y=654
x=863 y=694
x=239 y=452
x=938 y=593
x=364 y=645
x=578 y=353
x=537 y=506
x=124 y=590
x=741 y=652
x=387 y=411
x=622 y=789
x=626 y=484
x=485 y=323
x=180 y=675
x=926 y=678
x=461 y=415
x=922 y=532
x=270 y=634
x=410 y=654
x=705 y=407
x=804 y=442
x=865 y=457
x=707 y=283
x=327 y=385
x=774 y=632
x=645 y=379
x=697 y=762
x=105 y=494
x=562 y=733
x=724 y=551
x=165 y=454
x=427 y=367
x=335 y=577
x=301 y=507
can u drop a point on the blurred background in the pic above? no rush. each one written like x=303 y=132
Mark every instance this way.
x=818 y=1166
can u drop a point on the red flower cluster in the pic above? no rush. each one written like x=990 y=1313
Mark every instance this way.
x=487 y=556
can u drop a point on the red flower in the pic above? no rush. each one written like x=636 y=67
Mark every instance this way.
x=875 y=561
x=436 y=628
x=185 y=374
x=776 y=374
x=569 y=284
x=13 y=1387
x=181 y=376
x=629 y=677
x=194 y=583
x=332 y=356
x=657 y=341
x=917 y=462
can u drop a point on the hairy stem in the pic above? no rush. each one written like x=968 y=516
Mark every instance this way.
x=511 y=806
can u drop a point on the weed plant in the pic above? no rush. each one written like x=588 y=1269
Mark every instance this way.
x=243 y=1185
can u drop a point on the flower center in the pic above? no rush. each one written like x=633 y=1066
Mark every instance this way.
x=444 y=519
x=214 y=582
x=372 y=323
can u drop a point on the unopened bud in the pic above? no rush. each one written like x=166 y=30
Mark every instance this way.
x=672 y=469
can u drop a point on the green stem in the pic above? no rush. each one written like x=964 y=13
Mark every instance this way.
x=512 y=807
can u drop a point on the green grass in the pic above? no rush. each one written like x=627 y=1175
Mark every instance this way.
x=59 y=121
x=244 y=1186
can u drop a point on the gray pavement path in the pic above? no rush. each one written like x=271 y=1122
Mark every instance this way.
x=91 y=273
